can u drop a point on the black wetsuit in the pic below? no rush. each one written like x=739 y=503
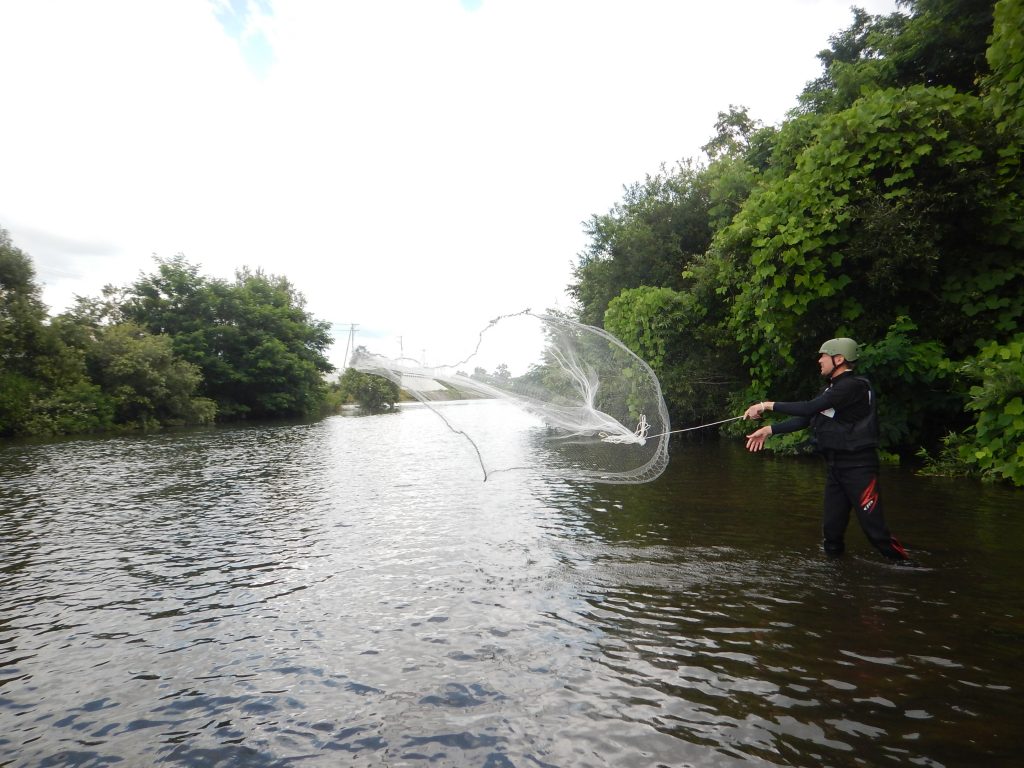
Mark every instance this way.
x=842 y=420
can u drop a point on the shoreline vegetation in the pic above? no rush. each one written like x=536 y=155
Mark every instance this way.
x=888 y=206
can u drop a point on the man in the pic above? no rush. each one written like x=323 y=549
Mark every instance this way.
x=844 y=424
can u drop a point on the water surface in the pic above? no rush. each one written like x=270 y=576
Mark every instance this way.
x=350 y=593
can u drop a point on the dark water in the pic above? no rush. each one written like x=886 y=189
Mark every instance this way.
x=350 y=593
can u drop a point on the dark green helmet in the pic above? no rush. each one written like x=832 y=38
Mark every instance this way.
x=846 y=347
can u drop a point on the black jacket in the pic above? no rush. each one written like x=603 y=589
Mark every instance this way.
x=843 y=418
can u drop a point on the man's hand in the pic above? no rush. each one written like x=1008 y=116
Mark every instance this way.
x=756 y=411
x=755 y=440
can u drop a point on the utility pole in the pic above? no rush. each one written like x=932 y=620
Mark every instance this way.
x=350 y=345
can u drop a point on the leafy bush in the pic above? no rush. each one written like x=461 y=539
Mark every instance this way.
x=373 y=394
x=993 y=448
x=670 y=330
x=913 y=379
x=77 y=408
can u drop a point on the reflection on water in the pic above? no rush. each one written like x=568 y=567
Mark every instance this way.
x=350 y=592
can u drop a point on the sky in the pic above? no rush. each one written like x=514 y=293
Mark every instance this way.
x=415 y=168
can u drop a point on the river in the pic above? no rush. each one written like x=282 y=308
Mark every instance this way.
x=350 y=592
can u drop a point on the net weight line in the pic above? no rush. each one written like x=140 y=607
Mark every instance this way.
x=701 y=426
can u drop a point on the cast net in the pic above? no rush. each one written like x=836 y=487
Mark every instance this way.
x=542 y=392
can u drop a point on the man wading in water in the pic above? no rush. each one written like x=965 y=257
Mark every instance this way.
x=843 y=420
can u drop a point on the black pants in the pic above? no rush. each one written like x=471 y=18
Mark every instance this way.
x=856 y=486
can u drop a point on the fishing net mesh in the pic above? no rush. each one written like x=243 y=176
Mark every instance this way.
x=546 y=393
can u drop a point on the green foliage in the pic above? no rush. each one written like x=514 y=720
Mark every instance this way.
x=260 y=353
x=888 y=207
x=1005 y=97
x=147 y=384
x=996 y=444
x=733 y=132
x=913 y=380
x=274 y=346
x=21 y=324
x=670 y=330
x=730 y=180
x=373 y=394
x=170 y=349
x=1006 y=59
x=853 y=63
x=16 y=403
x=789 y=142
x=22 y=313
x=645 y=319
x=993 y=447
x=77 y=407
x=43 y=389
x=941 y=43
x=893 y=207
x=646 y=240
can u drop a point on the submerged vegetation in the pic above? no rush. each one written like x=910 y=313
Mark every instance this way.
x=886 y=207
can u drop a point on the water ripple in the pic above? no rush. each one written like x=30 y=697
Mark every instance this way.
x=350 y=590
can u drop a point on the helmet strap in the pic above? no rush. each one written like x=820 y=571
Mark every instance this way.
x=835 y=366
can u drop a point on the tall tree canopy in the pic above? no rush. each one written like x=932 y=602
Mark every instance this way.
x=260 y=353
x=646 y=239
x=941 y=43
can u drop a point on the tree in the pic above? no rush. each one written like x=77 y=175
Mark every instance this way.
x=943 y=44
x=146 y=382
x=21 y=331
x=646 y=240
x=676 y=334
x=895 y=209
x=1005 y=96
x=740 y=151
x=889 y=206
x=23 y=334
x=274 y=348
x=733 y=133
x=260 y=353
x=992 y=447
x=939 y=43
x=854 y=61
x=374 y=394
x=43 y=389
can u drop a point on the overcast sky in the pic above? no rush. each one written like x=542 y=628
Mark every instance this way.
x=417 y=167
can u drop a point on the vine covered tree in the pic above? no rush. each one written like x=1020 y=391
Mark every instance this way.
x=887 y=207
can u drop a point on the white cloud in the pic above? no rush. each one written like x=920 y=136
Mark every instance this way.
x=414 y=166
